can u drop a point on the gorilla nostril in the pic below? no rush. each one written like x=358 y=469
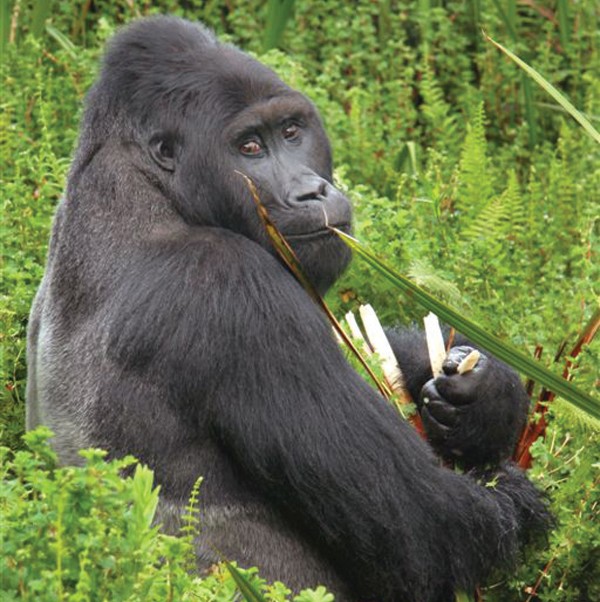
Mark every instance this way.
x=316 y=192
x=308 y=196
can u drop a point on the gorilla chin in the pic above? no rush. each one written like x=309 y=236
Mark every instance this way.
x=165 y=328
x=322 y=255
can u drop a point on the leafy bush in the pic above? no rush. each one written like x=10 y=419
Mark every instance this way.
x=86 y=533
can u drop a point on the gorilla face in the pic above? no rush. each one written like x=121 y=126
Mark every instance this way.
x=280 y=144
x=273 y=135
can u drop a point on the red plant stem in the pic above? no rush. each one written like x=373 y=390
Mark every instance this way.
x=534 y=430
x=544 y=572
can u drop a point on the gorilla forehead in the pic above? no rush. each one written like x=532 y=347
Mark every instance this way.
x=267 y=109
x=166 y=65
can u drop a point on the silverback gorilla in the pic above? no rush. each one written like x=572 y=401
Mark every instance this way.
x=166 y=327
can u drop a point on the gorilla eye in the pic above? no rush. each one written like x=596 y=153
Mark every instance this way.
x=250 y=148
x=291 y=132
x=162 y=147
x=165 y=148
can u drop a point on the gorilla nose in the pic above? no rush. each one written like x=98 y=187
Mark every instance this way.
x=310 y=189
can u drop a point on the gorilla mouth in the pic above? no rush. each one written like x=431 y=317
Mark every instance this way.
x=321 y=232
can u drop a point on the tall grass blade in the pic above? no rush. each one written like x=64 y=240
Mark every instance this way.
x=41 y=12
x=475 y=13
x=508 y=23
x=279 y=13
x=563 y=23
x=5 y=14
x=546 y=85
x=529 y=111
x=248 y=590
x=63 y=41
x=478 y=335
x=509 y=18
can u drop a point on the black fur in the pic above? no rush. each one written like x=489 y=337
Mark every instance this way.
x=166 y=327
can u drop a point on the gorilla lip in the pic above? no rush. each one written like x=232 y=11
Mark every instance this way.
x=316 y=233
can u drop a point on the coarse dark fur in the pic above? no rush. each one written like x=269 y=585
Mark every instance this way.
x=166 y=327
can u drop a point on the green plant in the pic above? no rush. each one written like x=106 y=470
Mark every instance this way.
x=87 y=533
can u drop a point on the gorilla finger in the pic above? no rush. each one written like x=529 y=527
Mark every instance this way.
x=428 y=393
x=458 y=389
x=435 y=430
x=443 y=412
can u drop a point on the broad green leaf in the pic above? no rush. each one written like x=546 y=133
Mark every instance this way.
x=478 y=335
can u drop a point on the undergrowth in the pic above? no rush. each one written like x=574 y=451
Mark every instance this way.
x=87 y=533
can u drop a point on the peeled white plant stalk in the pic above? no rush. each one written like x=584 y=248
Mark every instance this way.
x=381 y=346
x=437 y=348
x=356 y=333
x=468 y=362
x=435 y=343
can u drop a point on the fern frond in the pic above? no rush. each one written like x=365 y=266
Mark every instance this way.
x=575 y=417
x=426 y=275
x=502 y=219
x=191 y=522
x=442 y=124
x=475 y=187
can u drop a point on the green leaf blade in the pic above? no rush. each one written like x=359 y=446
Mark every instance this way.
x=550 y=89
x=478 y=335
x=248 y=590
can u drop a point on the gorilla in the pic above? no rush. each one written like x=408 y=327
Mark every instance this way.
x=166 y=327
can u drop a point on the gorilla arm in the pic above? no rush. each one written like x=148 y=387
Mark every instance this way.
x=232 y=332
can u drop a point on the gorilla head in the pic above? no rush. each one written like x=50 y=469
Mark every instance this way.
x=193 y=112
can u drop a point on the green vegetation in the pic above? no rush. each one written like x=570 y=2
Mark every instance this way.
x=466 y=176
x=82 y=534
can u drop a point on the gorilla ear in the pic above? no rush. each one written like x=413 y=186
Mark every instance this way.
x=162 y=148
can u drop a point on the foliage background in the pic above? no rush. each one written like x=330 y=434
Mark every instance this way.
x=463 y=174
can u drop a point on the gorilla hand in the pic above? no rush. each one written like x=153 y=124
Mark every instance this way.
x=474 y=417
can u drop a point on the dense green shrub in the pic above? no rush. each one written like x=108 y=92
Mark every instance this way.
x=86 y=533
x=463 y=176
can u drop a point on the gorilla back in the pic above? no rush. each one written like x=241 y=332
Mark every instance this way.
x=166 y=327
